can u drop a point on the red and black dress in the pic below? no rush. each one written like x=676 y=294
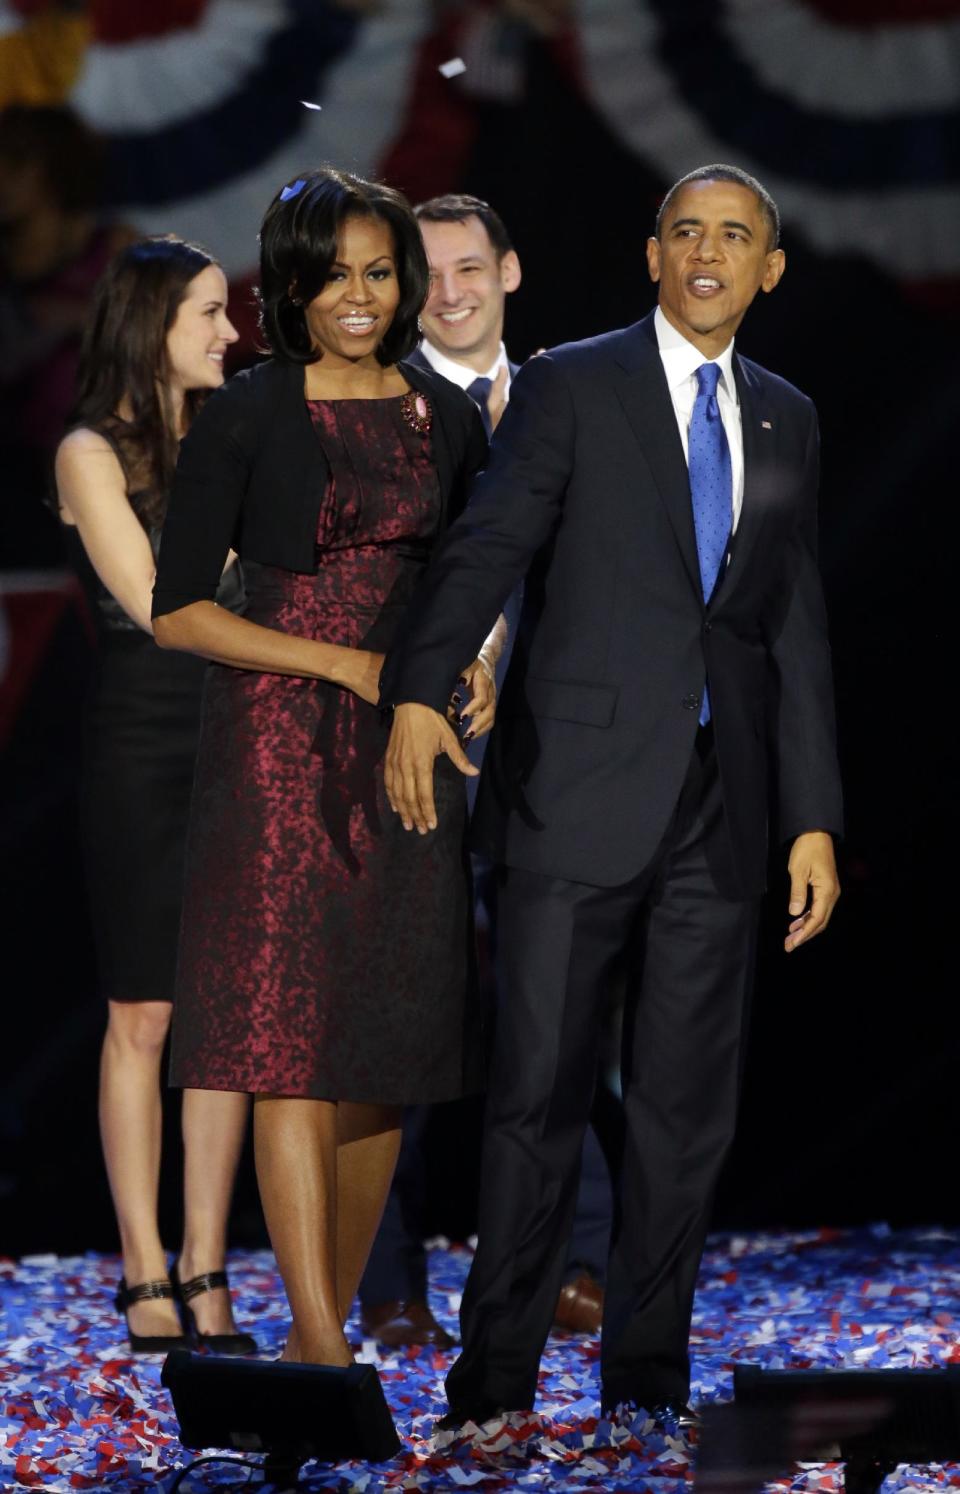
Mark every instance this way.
x=325 y=951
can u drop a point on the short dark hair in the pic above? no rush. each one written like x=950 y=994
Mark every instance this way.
x=298 y=245
x=457 y=207
x=721 y=173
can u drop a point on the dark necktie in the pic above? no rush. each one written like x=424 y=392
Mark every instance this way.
x=711 y=487
x=479 y=392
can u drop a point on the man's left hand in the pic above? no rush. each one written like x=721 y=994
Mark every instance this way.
x=813 y=880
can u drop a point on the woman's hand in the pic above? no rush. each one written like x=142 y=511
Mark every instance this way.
x=481 y=709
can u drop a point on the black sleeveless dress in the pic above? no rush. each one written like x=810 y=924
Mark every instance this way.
x=141 y=729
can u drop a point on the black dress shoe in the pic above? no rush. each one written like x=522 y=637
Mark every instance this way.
x=458 y=1416
x=668 y=1413
x=184 y=1292
x=674 y=1413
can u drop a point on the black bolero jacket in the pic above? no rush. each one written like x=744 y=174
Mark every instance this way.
x=251 y=476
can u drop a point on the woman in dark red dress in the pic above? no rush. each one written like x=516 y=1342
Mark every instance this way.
x=325 y=954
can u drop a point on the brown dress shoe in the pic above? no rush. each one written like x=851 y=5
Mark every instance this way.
x=396 y=1324
x=580 y=1306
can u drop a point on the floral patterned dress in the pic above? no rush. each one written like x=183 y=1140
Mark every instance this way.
x=326 y=952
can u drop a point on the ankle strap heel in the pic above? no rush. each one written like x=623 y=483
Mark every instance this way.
x=147 y=1291
x=184 y=1293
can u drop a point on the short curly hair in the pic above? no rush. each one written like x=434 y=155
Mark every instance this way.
x=720 y=172
x=298 y=245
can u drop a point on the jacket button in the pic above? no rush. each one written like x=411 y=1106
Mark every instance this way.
x=708 y=627
x=691 y=702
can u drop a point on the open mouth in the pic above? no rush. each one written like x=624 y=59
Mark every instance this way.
x=704 y=285
x=357 y=326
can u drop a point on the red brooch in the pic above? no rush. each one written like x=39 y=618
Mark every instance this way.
x=416 y=411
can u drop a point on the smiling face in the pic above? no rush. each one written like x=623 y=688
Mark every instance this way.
x=350 y=317
x=712 y=257
x=463 y=316
x=201 y=333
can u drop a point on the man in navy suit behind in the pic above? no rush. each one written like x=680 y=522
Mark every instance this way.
x=671 y=677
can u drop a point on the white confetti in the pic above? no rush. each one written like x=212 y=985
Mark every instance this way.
x=307 y=105
x=453 y=68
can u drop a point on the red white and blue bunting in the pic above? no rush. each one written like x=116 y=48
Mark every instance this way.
x=848 y=109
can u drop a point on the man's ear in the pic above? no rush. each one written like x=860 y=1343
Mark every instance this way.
x=776 y=264
x=653 y=258
x=510 y=275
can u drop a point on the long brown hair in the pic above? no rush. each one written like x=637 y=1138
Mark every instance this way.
x=124 y=360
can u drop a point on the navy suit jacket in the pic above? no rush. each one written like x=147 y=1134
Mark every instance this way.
x=587 y=494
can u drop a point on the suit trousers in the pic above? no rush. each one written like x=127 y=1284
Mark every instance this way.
x=690 y=955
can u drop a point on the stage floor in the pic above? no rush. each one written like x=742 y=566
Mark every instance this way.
x=80 y=1413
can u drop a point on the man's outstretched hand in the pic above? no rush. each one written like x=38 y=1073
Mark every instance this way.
x=418 y=737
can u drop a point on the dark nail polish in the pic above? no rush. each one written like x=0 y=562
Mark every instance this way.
x=462 y=680
x=468 y=737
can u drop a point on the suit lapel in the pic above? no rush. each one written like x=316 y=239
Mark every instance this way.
x=642 y=390
x=416 y=359
x=759 y=430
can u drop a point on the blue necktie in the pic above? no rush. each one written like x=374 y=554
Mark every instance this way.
x=711 y=487
x=479 y=392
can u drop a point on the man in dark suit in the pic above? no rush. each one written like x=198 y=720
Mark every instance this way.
x=473 y=269
x=659 y=493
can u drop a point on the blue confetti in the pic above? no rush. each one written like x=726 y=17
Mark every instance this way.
x=81 y=1413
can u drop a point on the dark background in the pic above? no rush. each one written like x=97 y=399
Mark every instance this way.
x=848 y=1111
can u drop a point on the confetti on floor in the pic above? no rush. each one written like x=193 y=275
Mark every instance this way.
x=80 y=1413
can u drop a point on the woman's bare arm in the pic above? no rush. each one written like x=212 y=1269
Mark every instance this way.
x=92 y=492
x=213 y=632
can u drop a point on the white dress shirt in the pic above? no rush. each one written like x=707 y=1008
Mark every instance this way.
x=459 y=373
x=680 y=361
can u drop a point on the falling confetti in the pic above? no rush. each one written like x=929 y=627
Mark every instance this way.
x=81 y=1413
x=307 y=105
x=453 y=68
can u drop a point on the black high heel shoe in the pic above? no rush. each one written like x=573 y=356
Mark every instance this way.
x=147 y=1291
x=183 y=1293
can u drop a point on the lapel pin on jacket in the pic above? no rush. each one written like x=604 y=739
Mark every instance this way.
x=767 y=425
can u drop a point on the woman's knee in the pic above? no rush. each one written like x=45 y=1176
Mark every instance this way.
x=140 y=1026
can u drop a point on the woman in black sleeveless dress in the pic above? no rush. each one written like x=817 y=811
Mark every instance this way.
x=154 y=345
x=325 y=960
